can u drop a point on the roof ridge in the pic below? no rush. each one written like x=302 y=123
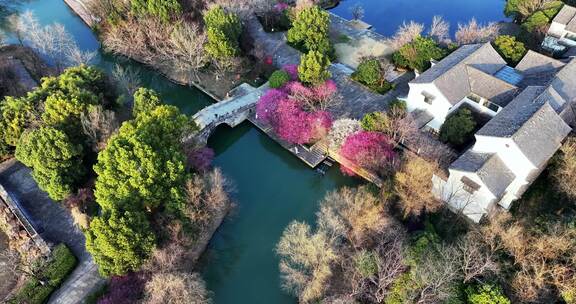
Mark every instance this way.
x=492 y=76
x=460 y=62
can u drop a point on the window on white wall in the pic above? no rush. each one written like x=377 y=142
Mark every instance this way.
x=428 y=98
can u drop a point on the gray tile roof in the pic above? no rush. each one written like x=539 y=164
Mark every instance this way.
x=534 y=63
x=447 y=63
x=450 y=75
x=511 y=118
x=492 y=88
x=488 y=167
x=531 y=122
x=566 y=14
x=541 y=136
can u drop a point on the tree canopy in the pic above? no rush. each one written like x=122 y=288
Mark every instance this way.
x=511 y=49
x=313 y=68
x=224 y=31
x=458 y=128
x=143 y=164
x=56 y=161
x=417 y=54
x=120 y=241
x=310 y=29
x=161 y=9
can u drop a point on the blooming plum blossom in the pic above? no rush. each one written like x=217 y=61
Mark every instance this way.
x=294 y=112
x=369 y=150
x=201 y=159
x=266 y=106
x=292 y=70
x=281 y=6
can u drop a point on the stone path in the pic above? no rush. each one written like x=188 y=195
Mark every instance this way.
x=58 y=227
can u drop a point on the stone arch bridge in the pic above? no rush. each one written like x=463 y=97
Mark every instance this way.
x=232 y=112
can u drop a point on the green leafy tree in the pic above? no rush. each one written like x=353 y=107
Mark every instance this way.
x=536 y=21
x=458 y=128
x=55 y=160
x=417 y=54
x=310 y=29
x=486 y=294
x=278 y=79
x=120 y=241
x=375 y=122
x=68 y=95
x=16 y=114
x=511 y=49
x=313 y=68
x=143 y=165
x=145 y=101
x=161 y=9
x=369 y=72
x=223 y=30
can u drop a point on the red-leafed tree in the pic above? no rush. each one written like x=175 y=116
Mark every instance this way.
x=369 y=150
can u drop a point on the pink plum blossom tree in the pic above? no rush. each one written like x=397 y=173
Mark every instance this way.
x=201 y=159
x=267 y=105
x=296 y=112
x=369 y=150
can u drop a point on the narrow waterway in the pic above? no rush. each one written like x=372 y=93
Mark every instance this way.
x=273 y=187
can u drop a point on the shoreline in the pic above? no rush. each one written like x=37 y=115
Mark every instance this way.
x=312 y=157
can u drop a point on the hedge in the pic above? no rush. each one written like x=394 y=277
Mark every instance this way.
x=60 y=264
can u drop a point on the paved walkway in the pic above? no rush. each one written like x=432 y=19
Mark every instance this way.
x=357 y=100
x=58 y=227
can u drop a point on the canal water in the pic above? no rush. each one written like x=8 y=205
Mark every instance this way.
x=272 y=187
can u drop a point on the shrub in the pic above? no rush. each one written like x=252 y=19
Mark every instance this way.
x=127 y=289
x=369 y=150
x=369 y=72
x=59 y=265
x=119 y=241
x=535 y=22
x=458 y=128
x=313 y=68
x=417 y=54
x=486 y=294
x=224 y=31
x=375 y=122
x=509 y=48
x=278 y=79
x=310 y=29
x=161 y=9
x=55 y=160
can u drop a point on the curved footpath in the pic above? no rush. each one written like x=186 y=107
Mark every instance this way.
x=58 y=227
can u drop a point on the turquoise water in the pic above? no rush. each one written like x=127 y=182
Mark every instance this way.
x=272 y=187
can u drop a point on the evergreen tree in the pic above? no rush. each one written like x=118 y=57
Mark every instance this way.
x=310 y=29
x=55 y=160
x=313 y=68
x=223 y=30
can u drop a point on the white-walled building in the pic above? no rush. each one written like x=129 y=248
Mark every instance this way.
x=474 y=74
x=563 y=26
x=561 y=35
x=531 y=108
